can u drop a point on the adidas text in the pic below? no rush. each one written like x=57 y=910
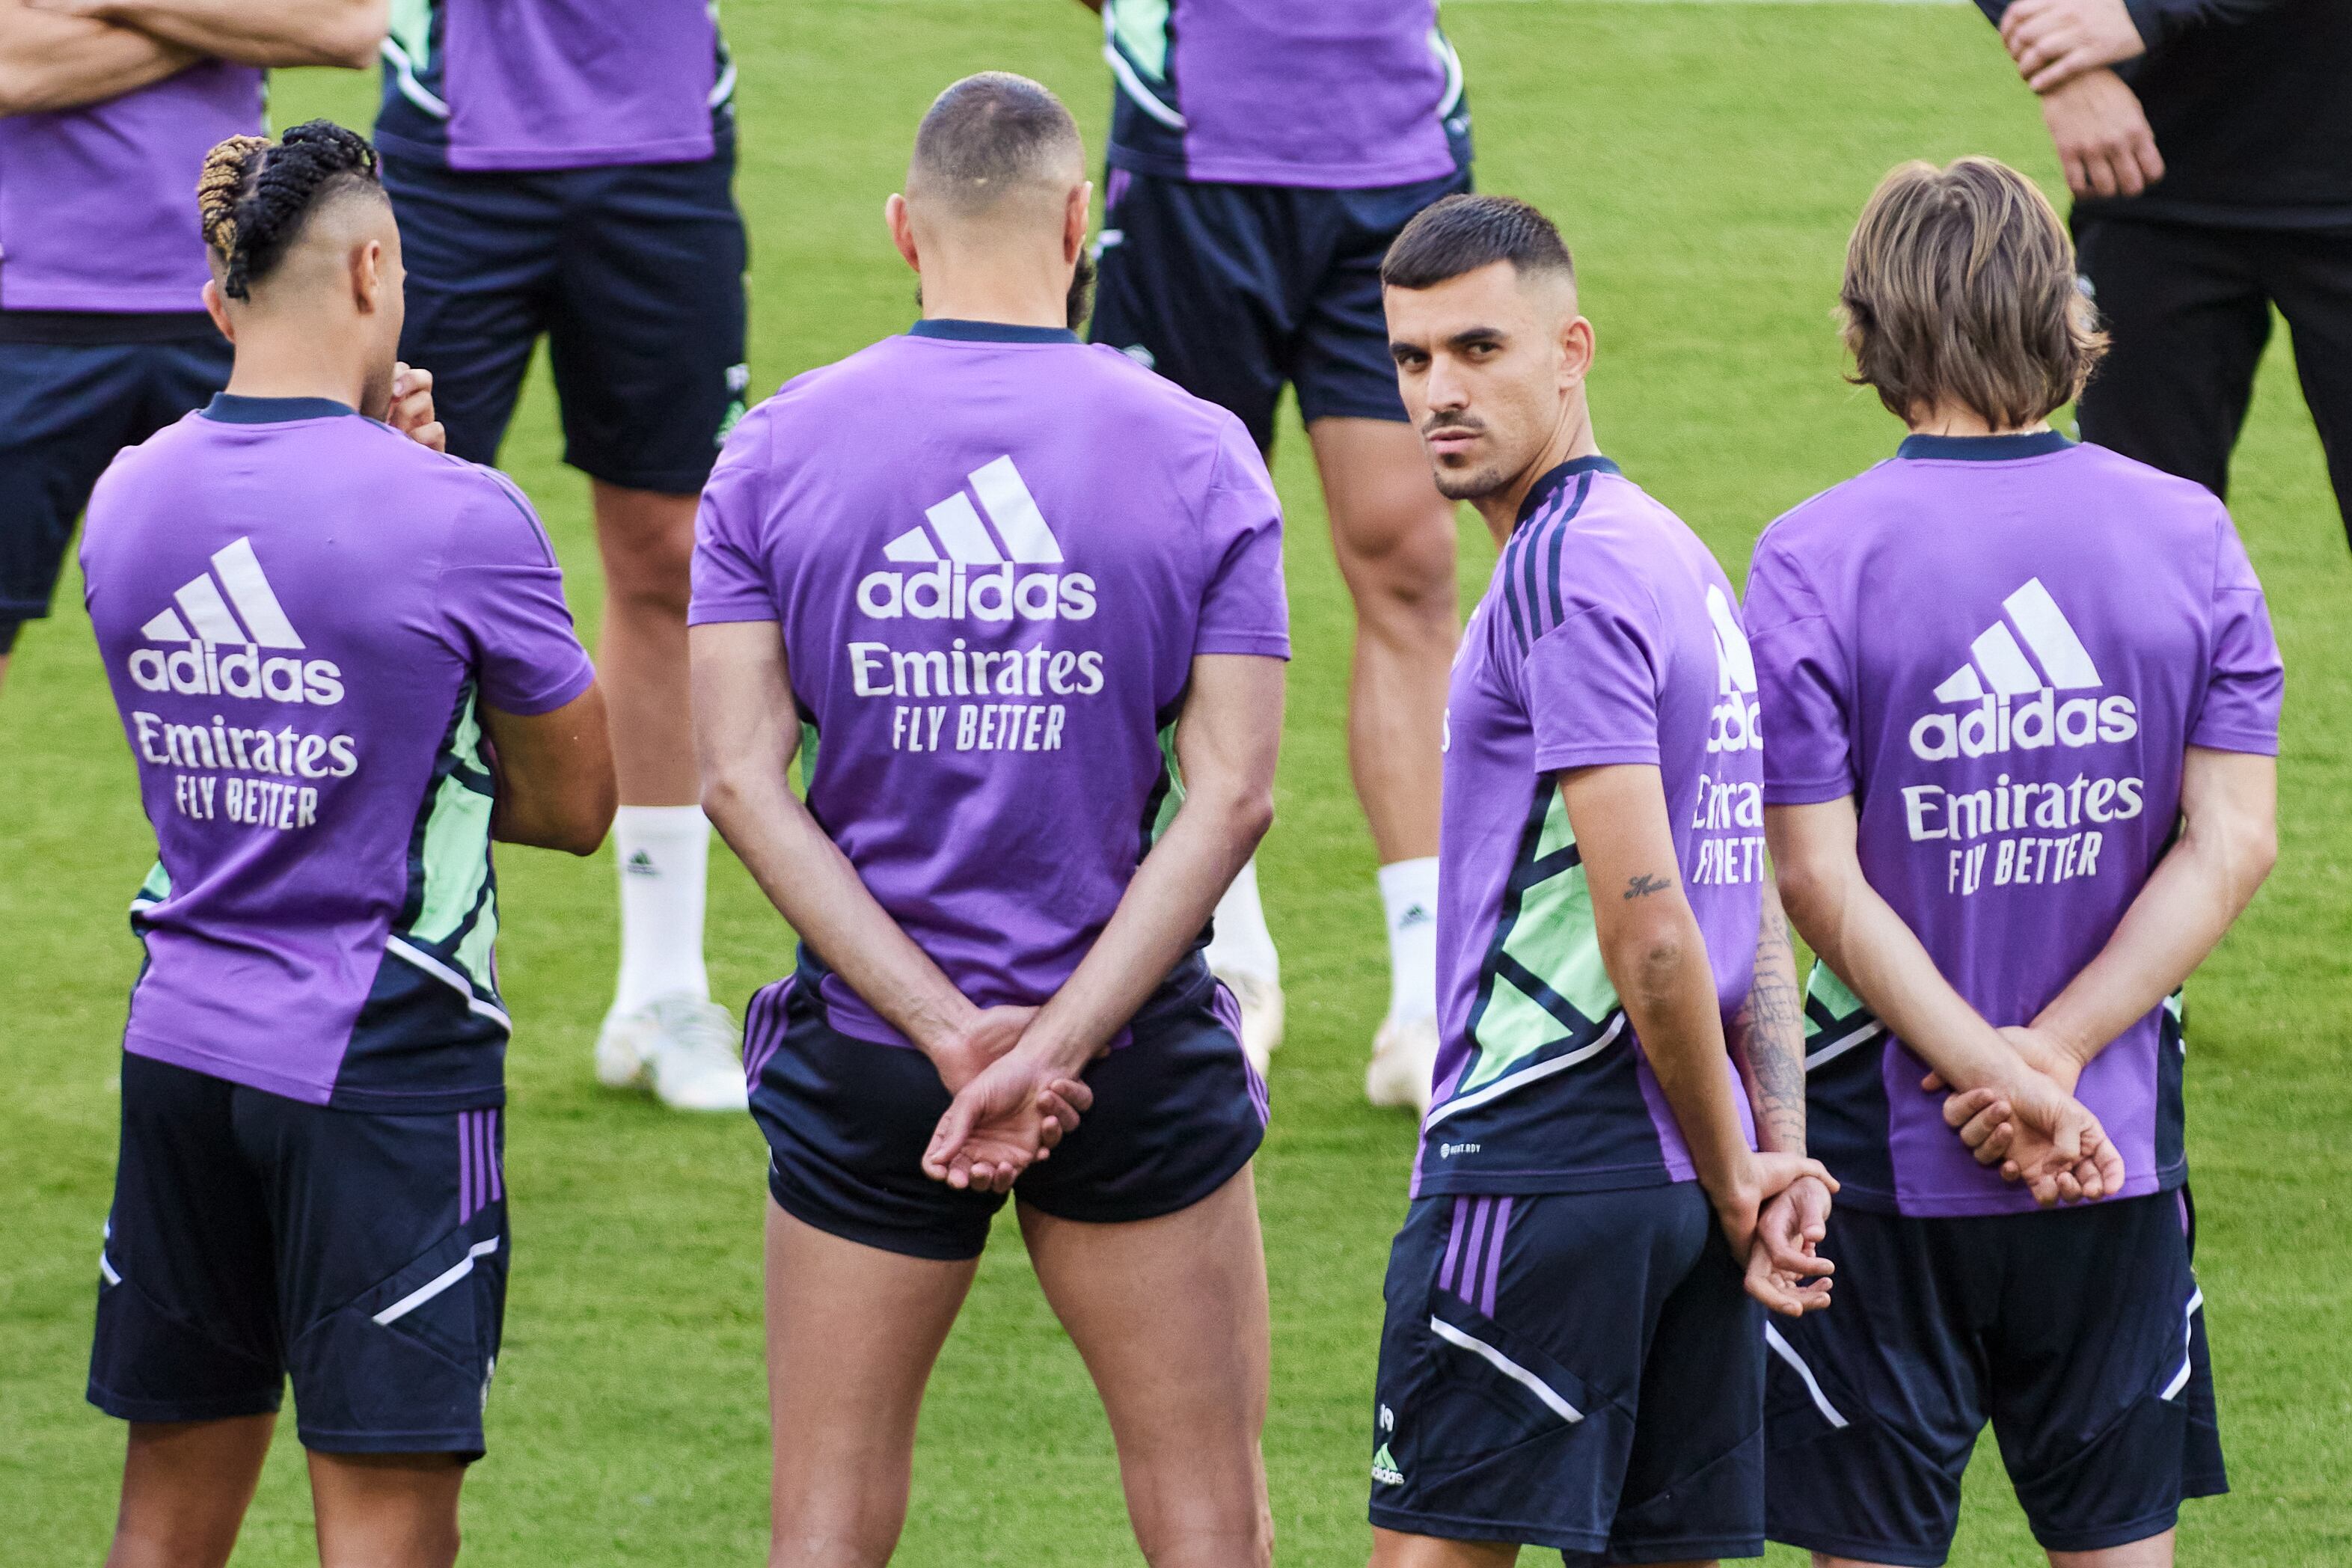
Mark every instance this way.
x=1997 y=724
x=205 y=670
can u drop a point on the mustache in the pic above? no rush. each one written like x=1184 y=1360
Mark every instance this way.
x=1452 y=425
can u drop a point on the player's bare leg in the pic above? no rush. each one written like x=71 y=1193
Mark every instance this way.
x=185 y=1488
x=1393 y=1549
x=1394 y=537
x=662 y=1027
x=853 y=1333
x=1171 y=1315
x=386 y=1510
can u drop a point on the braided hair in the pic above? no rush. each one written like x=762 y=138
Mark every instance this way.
x=255 y=194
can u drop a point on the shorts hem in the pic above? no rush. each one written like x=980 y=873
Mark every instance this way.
x=1312 y=409
x=444 y=1440
x=1200 y=1192
x=25 y=609
x=1454 y=1527
x=1854 y=1546
x=1683 y=1547
x=225 y=1408
x=686 y=481
x=2110 y=1535
x=904 y=1243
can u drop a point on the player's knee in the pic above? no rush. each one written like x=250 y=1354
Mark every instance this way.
x=1401 y=571
x=647 y=544
x=848 y=1526
x=171 y=1543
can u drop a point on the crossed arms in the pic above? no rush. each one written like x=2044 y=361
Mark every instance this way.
x=1013 y=1071
x=62 y=54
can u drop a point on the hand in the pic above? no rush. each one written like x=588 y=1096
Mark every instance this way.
x=2102 y=136
x=1756 y=1180
x=966 y=1054
x=1004 y=1120
x=1782 y=1256
x=2054 y=41
x=411 y=413
x=2045 y=1052
x=2039 y=1135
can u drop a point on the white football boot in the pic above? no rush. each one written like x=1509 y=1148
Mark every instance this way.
x=685 y=1050
x=1404 y=1060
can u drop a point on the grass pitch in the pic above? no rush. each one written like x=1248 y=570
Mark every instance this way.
x=1705 y=162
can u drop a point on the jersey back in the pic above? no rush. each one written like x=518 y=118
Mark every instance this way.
x=992 y=554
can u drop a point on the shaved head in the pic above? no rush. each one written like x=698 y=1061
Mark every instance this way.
x=995 y=145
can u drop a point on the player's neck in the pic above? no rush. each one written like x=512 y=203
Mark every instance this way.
x=1960 y=419
x=1571 y=439
x=1011 y=296
x=279 y=362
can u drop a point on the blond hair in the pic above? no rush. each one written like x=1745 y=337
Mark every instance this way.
x=1960 y=288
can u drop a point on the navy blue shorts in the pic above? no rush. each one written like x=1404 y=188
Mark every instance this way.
x=254 y=1236
x=1178 y=1112
x=635 y=275
x=1231 y=290
x=2080 y=1333
x=1582 y=1371
x=66 y=409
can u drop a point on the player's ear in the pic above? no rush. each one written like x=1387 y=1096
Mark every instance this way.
x=1074 y=214
x=367 y=276
x=1576 y=346
x=902 y=229
x=217 y=308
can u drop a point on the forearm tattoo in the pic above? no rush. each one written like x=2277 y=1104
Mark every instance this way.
x=1772 y=1027
x=1643 y=886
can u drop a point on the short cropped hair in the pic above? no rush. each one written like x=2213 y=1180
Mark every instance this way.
x=254 y=194
x=1960 y=288
x=1462 y=233
x=989 y=134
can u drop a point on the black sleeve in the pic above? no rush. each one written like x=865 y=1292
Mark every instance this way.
x=1993 y=9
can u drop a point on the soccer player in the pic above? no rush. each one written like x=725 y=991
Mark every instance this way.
x=1016 y=605
x=2023 y=701
x=1262 y=158
x=344 y=666
x=565 y=167
x=106 y=113
x=1569 y=1358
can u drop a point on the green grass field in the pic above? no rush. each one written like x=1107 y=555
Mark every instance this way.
x=1706 y=161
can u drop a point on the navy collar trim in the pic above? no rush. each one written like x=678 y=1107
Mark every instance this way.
x=1983 y=448
x=231 y=408
x=1544 y=489
x=964 y=331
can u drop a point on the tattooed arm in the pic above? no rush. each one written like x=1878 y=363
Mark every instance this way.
x=1767 y=1040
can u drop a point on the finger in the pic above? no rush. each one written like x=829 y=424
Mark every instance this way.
x=947 y=1139
x=2100 y=164
x=1932 y=1082
x=2070 y=1191
x=2125 y=161
x=2145 y=153
x=1801 y=1261
x=2078 y=173
x=2110 y=1162
x=432 y=434
x=2012 y=1171
x=1962 y=1108
x=1075 y=1093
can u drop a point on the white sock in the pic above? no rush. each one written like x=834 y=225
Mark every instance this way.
x=1408 y=894
x=1242 y=944
x=665 y=856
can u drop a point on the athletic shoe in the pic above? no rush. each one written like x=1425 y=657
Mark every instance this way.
x=1261 y=1005
x=686 y=1050
x=1404 y=1060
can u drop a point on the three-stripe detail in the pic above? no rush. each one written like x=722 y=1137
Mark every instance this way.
x=1005 y=497
x=215 y=603
x=481 y=1180
x=1998 y=661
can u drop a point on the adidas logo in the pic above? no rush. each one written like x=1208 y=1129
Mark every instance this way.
x=1384 y=1468
x=642 y=864
x=972 y=573
x=1414 y=915
x=2013 y=677
x=231 y=606
x=1737 y=724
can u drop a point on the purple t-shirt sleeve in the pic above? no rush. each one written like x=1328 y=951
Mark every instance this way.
x=1592 y=682
x=1800 y=679
x=729 y=583
x=502 y=599
x=2247 y=684
x=1243 y=607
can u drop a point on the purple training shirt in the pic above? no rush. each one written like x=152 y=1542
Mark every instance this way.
x=993 y=554
x=1336 y=94
x=555 y=84
x=301 y=612
x=2000 y=647
x=1608 y=635
x=97 y=204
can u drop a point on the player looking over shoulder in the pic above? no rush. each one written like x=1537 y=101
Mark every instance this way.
x=344 y=666
x=1262 y=158
x=106 y=109
x=1015 y=605
x=1569 y=1358
x=566 y=167
x=2023 y=703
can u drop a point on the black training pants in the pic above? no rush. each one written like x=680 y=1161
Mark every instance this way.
x=2188 y=309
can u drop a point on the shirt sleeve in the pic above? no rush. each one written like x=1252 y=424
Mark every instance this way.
x=730 y=583
x=2247 y=683
x=1802 y=679
x=502 y=599
x=1591 y=682
x=1243 y=608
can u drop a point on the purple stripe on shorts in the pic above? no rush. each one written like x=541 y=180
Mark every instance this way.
x=496 y=1162
x=1453 y=1243
x=1466 y=1282
x=1494 y=1256
x=763 y=1028
x=465 y=1167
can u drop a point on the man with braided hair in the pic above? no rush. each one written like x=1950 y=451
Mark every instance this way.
x=106 y=109
x=344 y=666
x=566 y=167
